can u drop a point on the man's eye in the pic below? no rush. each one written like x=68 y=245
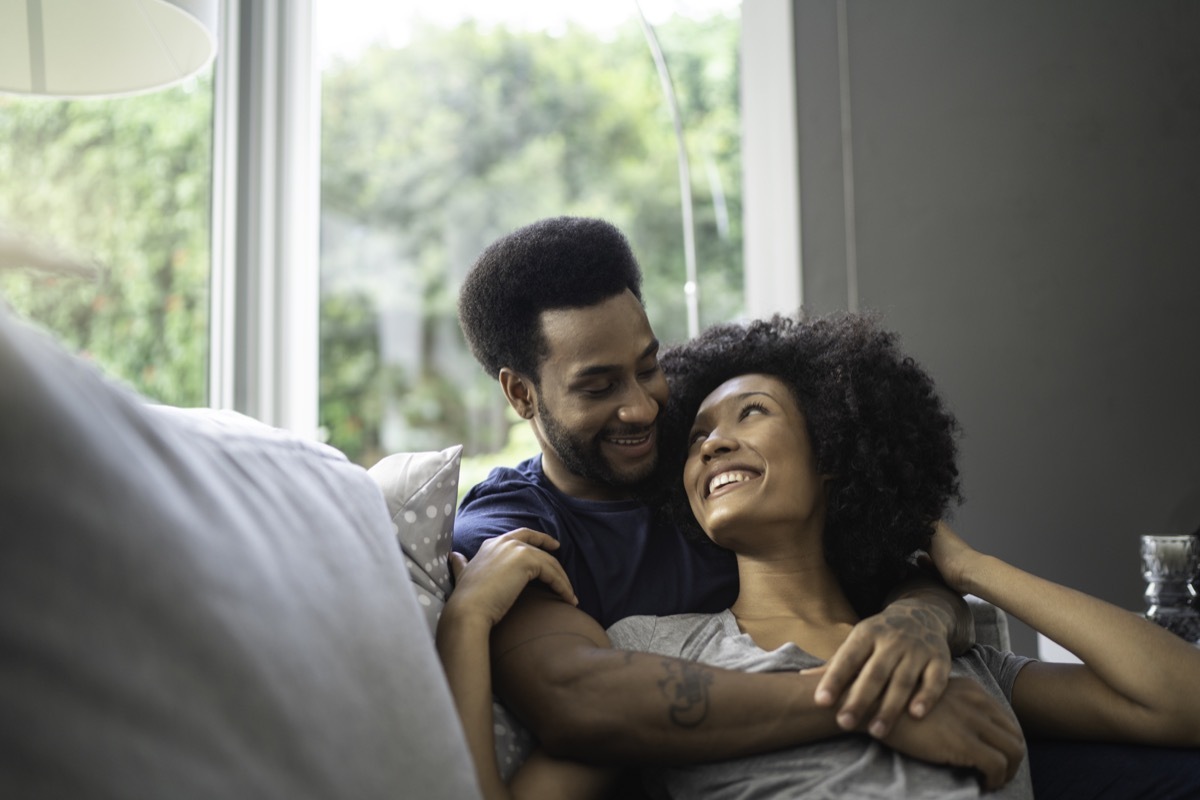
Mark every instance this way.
x=649 y=373
x=598 y=391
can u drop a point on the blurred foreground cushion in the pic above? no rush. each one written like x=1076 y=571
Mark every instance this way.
x=194 y=605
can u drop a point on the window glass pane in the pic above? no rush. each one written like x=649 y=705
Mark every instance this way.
x=126 y=185
x=441 y=133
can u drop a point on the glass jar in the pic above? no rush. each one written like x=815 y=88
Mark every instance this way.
x=1169 y=565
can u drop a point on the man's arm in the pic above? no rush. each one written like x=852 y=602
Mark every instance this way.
x=484 y=591
x=902 y=654
x=553 y=666
x=926 y=587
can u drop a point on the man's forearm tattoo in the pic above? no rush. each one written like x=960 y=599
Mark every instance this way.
x=918 y=623
x=686 y=689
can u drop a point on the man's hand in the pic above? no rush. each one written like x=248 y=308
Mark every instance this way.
x=967 y=728
x=901 y=650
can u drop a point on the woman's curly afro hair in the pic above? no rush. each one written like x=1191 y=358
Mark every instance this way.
x=876 y=424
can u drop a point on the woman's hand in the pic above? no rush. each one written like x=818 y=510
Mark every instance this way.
x=488 y=585
x=953 y=557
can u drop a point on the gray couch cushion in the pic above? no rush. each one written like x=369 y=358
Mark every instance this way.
x=193 y=605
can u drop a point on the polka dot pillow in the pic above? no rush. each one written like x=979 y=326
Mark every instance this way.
x=422 y=492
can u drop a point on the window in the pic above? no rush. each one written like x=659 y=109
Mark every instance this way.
x=126 y=184
x=440 y=134
x=413 y=187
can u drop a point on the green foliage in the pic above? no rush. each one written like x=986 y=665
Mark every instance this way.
x=431 y=151
x=521 y=445
x=434 y=149
x=126 y=183
x=352 y=394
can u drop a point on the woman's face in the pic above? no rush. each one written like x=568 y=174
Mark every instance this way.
x=750 y=463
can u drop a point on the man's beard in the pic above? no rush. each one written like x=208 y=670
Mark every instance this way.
x=584 y=458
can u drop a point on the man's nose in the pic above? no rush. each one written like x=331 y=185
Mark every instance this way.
x=638 y=408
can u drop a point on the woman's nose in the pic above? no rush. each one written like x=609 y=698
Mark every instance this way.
x=715 y=444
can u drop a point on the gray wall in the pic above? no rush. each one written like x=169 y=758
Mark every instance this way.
x=1024 y=206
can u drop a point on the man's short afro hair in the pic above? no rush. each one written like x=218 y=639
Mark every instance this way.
x=876 y=424
x=561 y=262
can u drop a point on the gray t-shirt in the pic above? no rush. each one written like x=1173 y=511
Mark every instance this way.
x=853 y=765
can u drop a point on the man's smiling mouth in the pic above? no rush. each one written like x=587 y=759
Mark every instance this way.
x=627 y=440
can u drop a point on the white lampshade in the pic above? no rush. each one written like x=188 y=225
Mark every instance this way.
x=102 y=48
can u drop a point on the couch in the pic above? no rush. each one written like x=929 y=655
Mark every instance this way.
x=193 y=604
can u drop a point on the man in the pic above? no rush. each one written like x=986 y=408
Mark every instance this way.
x=554 y=311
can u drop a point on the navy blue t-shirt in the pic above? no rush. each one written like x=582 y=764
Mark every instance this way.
x=617 y=564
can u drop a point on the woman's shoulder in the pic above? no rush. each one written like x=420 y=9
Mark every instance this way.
x=666 y=635
x=996 y=669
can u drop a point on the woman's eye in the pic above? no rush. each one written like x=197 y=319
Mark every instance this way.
x=752 y=408
x=696 y=437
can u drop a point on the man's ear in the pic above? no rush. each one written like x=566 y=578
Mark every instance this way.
x=520 y=392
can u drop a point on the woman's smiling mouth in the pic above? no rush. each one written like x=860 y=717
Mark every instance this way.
x=728 y=478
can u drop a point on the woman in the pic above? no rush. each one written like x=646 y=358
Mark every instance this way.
x=823 y=458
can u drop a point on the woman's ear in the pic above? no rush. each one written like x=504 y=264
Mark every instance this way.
x=520 y=393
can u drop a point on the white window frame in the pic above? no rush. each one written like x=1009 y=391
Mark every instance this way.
x=265 y=290
x=770 y=160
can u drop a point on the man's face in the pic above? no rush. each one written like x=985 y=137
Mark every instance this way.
x=598 y=399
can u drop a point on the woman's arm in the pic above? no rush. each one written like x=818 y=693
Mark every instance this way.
x=1137 y=683
x=485 y=590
